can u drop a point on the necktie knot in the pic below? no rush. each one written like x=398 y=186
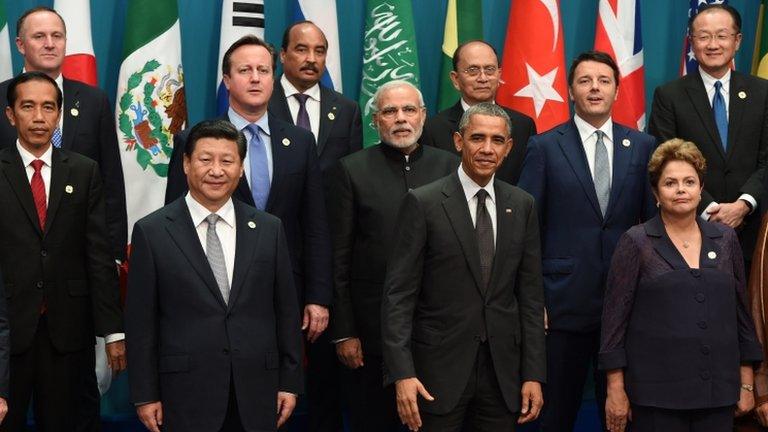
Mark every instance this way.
x=212 y=219
x=481 y=195
x=600 y=134
x=254 y=129
x=302 y=98
x=718 y=86
x=37 y=164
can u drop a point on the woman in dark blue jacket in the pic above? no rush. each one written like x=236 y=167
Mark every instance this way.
x=677 y=341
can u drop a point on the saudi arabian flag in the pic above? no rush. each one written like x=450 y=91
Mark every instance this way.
x=463 y=22
x=6 y=68
x=151 y=106
x=389 y=44
x=760 y=58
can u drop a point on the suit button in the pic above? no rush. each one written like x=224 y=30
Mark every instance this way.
x=695 y=273
x=44 y=253
x=407 y=168
x=700 y=297
x=705 y=349
x=705 y=375
x=39 y=284
x=702 y=324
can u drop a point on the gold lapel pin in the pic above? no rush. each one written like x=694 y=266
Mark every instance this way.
x=742 y=95
x=75 y=112
x=251 y=224
x=625 y=142
x=331 y=116
x=286 y=142
x=711 y=255
x=69 y=189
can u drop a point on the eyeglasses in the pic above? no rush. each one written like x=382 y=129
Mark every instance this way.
x=703 y=38
x=474 y=71
x=390 y=112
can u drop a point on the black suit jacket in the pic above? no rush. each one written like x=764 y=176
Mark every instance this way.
x=370 y=185
x=89 y=129
x=341 y=131
x=681 y=109
x=296 y=197
x=69 y=264
x=439 y=129
x=435 y=307
x=184 y=342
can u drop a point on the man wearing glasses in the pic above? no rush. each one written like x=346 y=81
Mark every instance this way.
x=476 y=76
x=726 y=114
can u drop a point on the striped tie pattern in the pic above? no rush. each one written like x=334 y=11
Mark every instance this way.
x=215 y=255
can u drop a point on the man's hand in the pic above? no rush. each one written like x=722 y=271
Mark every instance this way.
x=746 y=402
x=532 y=402
x=350 y=353
x=286 y=402
x=151 y=415
x=116 y=356
x=762 y=413
x=316 y=320
x=731 y=214
x=3 y=409
x=407 y=392
x=617 y=410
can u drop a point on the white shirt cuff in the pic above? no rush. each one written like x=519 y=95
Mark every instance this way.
x=705 y=214
x=340 y=340
x=750 y=199
x=114 y=337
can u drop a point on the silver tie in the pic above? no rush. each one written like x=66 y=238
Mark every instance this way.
x=602 y=173
x=215 y=255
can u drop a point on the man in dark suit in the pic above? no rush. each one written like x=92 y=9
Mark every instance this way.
x=588 y=177
x=58 y=269
x=476 y=76
x=369 y=186
x=211 y=316
x=299 y=97
x=725 y=113
x=282 y=176
x=463 y=305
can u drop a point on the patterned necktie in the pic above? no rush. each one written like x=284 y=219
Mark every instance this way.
x=56 y=138
x=302 y=118
x=721 y=116
x=484 y=233
x=257 y=156
x=38 y=192
x=215 y=255
x=602 y=173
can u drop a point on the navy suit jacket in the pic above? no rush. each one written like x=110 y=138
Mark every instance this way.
x=577 y=241
x=296 y=196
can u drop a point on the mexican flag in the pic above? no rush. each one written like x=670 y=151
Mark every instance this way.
x=6 y=68
x=463 y=22
x=760 y=58
x=389 y=44
x=151 y=105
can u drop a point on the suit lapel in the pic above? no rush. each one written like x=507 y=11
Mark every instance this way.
x=59 y=177
x=71 y=122
x=698 y=97
x=454 y=114
x=279 y=104
x=280 y=158
x=654 y=229
x=622 y=155
x=247 y=235
x=14 y=172
x=573 y=149
x=185 y=236
x=328 y=113
x=455 y=206
x=504 y=217
x=736 y=106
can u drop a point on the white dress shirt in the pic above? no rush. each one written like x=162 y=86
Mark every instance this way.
x=470 y=190
x=312 y=104
x=589 y=141
x=241 y=124
x=225 y=229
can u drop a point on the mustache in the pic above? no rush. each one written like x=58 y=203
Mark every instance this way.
x=311 y=67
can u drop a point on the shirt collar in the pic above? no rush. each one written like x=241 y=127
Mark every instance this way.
x=471 y=188
x=586 y=130
x=466 y=106
x=241 y=123
x=398 y=155
x=709 y=80
x=27 y=157
x=199 y=212
x=290 y=90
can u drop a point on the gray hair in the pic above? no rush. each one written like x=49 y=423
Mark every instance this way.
x=389 y=85
x=486 y=109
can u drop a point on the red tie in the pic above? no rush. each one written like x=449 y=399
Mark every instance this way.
x=38 y=192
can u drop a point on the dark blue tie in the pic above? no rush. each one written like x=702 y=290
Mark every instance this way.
x=257 y=152
x=721 y=115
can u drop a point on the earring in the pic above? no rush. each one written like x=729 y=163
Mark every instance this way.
x=658 y=204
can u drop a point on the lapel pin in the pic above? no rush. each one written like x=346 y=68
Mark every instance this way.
x=69 y=189
x=625 y=142
x=509 y=210
x=331 y=116
x=286 y=142
x=251 y=224
x=742 y=95
x=711 y=255
x=75 y=112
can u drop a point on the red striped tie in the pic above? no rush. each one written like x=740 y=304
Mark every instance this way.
x=38 y=192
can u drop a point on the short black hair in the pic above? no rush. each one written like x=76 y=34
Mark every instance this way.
x=250 y=39
x=219 y=129
x=11 y=94
x=710 y=7
x=20 y=21
x=287 y=33
x=457 y=52
x=595 y=56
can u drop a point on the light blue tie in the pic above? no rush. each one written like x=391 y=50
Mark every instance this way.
x=721 y=116
x=257 y=152
x=56 y=138
x=602 y=172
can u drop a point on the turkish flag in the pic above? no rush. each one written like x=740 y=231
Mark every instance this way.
x=533 y=67
x=79 y=61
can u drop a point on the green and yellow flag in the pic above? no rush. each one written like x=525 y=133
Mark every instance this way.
x=463 y=22
x=760 y=58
